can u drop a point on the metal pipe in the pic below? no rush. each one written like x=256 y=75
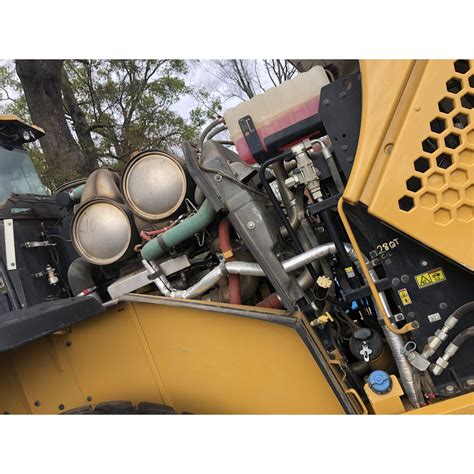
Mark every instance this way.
x=76 y=193
x=198 y=196
x=215 y=132
x=239 y=268
x=235 y=295
x=287 y=196
x=397 y=346
x=331 y=164
x=208 y=129
x=177 y=234
x=373 y=289
x=263 y=179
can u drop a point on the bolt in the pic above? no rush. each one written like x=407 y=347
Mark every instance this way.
x=344 y=147
x=68 y=343
x=424 y=263
x=389 y=148
x=395 y=282
x=251 y=225
x=388 y=261
x=12 y=264
x=61 y=407
x=37 y=403
x=342 y=94
x=411 y=315
x=350 y=159
x=217 y=177
x=443 y=306
x=89 y=398
x=449 y=388
x=405 y=278
x=325 y=102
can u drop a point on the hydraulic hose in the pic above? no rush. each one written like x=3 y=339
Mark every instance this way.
x=452 y=348
x=205 y=132
x=442 y=334
x=226 y=248
x=177 y=234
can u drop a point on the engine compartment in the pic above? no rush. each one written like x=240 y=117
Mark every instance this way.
x=263 y=230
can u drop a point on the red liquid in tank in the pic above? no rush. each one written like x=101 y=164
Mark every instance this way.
x=290 y=117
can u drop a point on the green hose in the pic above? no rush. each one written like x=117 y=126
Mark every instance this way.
x=76 y=193
x=179 y=233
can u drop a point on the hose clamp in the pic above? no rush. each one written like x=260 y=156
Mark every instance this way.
x=161 y=242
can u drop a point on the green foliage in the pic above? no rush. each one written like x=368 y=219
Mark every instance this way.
x=130 y=105
x=12 y=100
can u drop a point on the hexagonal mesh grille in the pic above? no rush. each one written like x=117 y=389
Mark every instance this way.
x=440 y=180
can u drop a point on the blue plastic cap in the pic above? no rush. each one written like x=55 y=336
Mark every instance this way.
x=380 y=382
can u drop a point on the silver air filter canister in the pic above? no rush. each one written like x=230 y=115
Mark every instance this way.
x=153 y=185
x=102 y=227
x=102 y=231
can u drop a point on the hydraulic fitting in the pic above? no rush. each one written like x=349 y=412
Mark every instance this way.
x=322 y=320
x=443 y=361
x=439 y=337
x=417 y=360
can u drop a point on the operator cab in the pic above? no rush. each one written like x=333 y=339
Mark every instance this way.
x=17 y=172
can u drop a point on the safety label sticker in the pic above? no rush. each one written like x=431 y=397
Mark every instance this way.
x=430 y=278
x=404 y=296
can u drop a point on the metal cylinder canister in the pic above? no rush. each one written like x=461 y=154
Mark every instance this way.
x=153 y=185
x=103 y=231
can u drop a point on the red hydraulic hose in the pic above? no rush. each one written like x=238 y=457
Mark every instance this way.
x=226 y=249
x=271 y=301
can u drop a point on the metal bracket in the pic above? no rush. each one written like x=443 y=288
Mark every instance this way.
x=40 y=243
x=9 y=244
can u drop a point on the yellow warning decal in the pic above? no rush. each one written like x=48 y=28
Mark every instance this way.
x=430 y=278
x=404 y=296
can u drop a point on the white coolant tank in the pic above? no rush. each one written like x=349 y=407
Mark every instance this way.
x=277 y=108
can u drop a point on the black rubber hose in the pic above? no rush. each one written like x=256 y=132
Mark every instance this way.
x=462 y=310
x=463 y=336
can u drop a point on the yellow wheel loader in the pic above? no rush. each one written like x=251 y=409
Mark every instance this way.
x=318 y=261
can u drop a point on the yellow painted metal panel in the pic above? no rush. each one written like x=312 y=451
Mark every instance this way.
x=383 y=83
x=47 y=378
x=110 y=359
x=194 y=360
x=416 y=173
x=213 y=362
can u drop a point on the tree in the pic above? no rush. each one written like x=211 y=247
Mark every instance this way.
x=126 y=105
x=96 y=113
x=244 y=79
x=42 y=86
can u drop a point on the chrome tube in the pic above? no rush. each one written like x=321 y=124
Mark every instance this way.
x=242 y=268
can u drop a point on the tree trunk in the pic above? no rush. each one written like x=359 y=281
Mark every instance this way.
x=81 y=125
x=41 y=82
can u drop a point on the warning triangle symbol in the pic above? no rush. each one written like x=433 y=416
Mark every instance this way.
x=424 y=280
